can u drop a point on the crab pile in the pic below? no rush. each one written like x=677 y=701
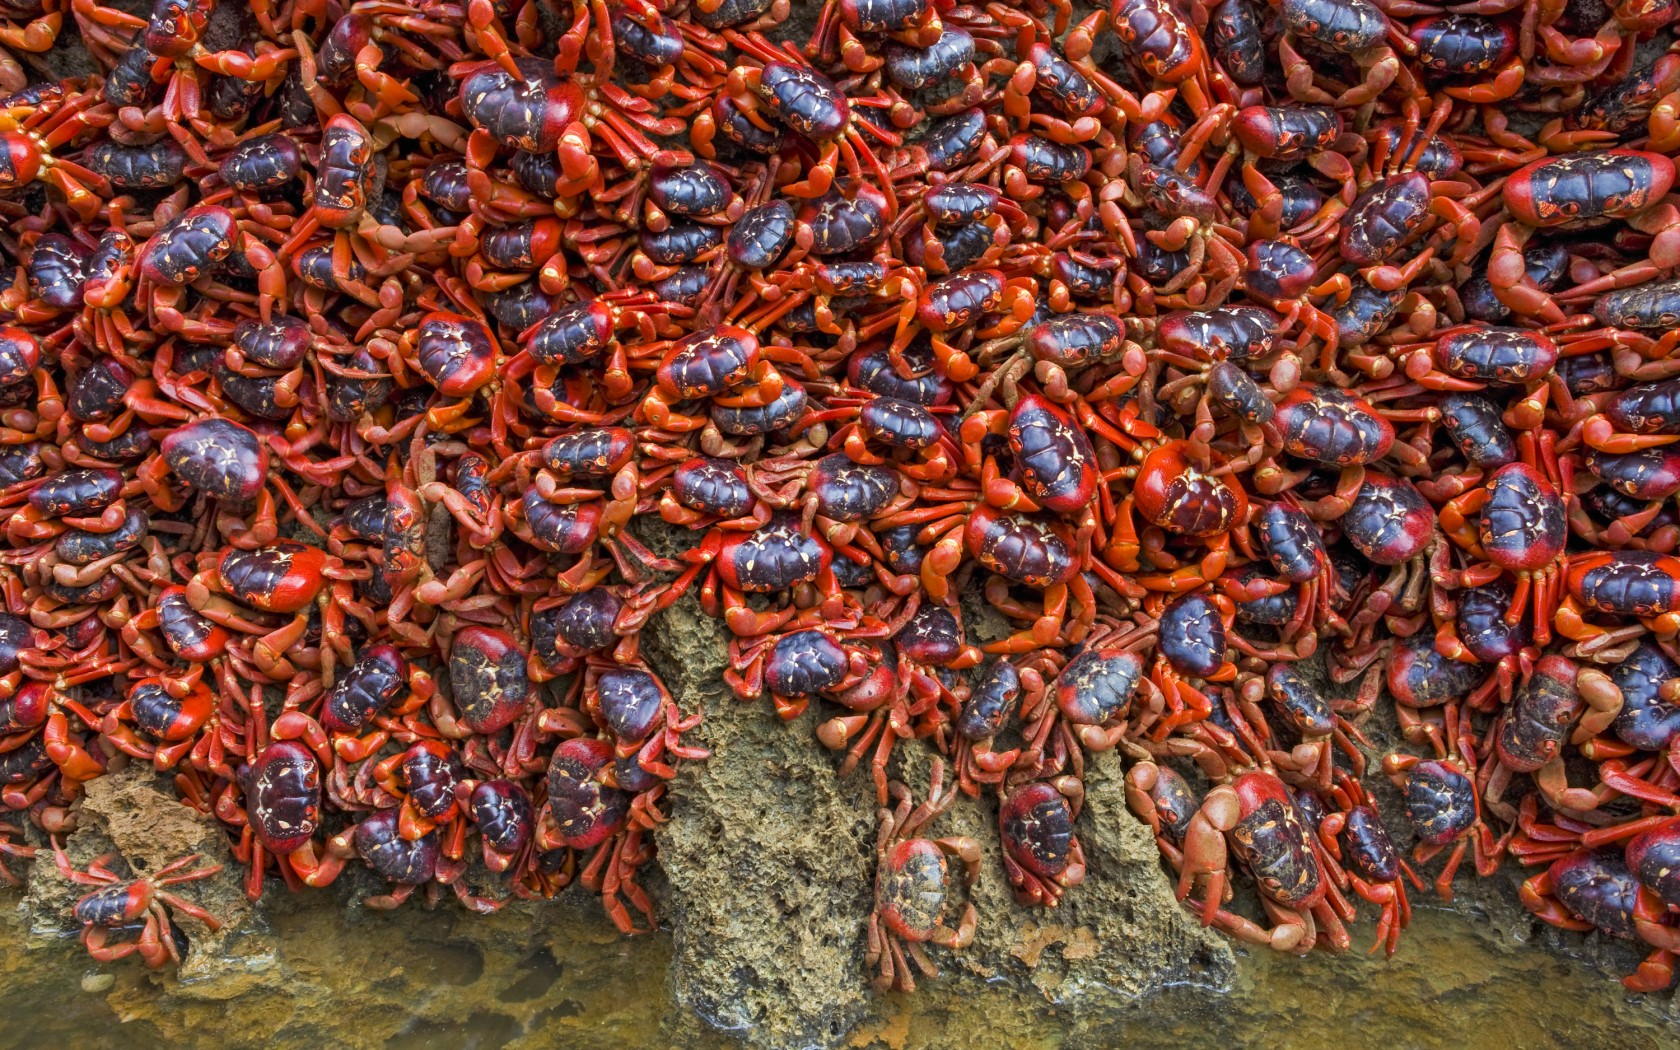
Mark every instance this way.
x=1226 y=353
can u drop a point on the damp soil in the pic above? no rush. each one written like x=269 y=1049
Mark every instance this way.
x=563 y=977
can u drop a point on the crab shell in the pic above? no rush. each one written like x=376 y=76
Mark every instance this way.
x=910 y=889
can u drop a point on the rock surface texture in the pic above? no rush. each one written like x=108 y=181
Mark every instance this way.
x=771 y=863
x=134 y=822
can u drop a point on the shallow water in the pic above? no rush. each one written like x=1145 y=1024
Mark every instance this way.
x=447 y=979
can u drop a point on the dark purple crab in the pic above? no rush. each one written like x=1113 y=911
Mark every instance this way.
x=1041 y=853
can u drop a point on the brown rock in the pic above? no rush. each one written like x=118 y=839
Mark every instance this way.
x=1118 y=935
x=768 y=855
x=770 y=858
x=132 y=818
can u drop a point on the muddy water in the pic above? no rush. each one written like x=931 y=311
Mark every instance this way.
x=564 y=978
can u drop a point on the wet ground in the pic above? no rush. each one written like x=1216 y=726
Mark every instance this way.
x=564 y=978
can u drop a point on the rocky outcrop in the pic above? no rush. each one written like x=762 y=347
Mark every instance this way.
x=133 y=819
x=770 y=858
x=1118 y=936
x=767 y=855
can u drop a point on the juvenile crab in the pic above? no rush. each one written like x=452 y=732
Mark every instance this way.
x=911 y=887
x=144 y=901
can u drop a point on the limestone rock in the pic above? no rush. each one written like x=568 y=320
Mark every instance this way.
x=770 y=859
x=132 y=817
x=768 y=855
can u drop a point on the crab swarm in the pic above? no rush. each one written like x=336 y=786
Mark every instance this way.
x=1227 y=352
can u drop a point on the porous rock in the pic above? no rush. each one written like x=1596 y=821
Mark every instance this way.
x=770 y=859
x=135 y=821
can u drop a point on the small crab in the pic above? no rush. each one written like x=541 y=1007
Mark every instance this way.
x=910 y=887
x=121 y=905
